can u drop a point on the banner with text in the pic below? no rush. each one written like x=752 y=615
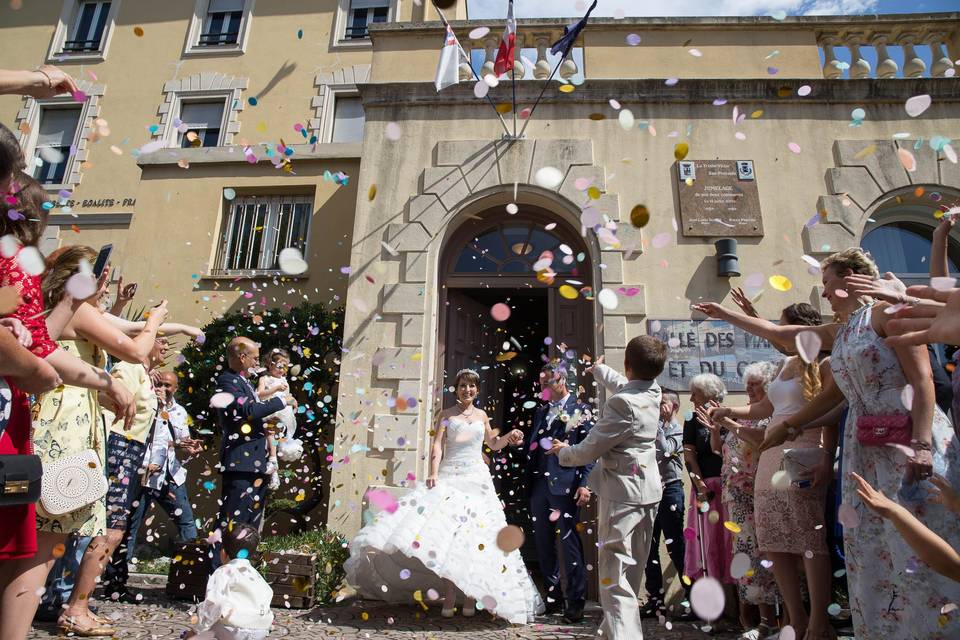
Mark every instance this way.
x=708 y=346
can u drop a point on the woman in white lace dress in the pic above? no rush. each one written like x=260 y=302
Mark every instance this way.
x=442 y=538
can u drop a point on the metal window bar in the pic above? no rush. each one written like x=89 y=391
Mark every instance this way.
x=91 y=22
x=257 y=229
x=222 y=28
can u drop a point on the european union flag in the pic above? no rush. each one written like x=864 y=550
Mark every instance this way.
x=570 y=34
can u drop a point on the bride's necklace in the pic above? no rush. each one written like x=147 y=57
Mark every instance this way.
x=470 y=408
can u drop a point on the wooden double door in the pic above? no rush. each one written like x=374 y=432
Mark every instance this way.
x=543 y=324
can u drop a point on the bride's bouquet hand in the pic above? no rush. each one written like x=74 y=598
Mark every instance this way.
x=515 y=437
x=557 y=445
x=431 y=482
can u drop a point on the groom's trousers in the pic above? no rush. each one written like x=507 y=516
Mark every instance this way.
x=625 y=532
x=545 y=532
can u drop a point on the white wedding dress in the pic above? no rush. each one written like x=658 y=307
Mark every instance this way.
x=449 y=532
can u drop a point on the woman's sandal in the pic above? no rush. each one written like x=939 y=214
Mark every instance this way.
x=68 y=625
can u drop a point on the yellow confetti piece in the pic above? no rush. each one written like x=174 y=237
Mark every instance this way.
x=639 y=216
x=868 y=150
x=594 y=193
x=138 y=31
x=597 y=116
x=686 y=580
x=58 y=550
x=372 y=192
x=300 y=497
x=681 y=150
x=757 y=114
x=732 y=526
x=262 y=126
x=417 y=357
x=364 y=616
x=504 y=107
x=606 y=582
x=245 y=428
x=567 y=88
x=781 y=283
x=568 y=292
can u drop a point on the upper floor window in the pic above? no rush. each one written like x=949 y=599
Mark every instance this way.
x=56 y=135
x=222 y=23
x=87 y=34
x=219 y=26
x=83 y=30
x=257 y=228
x=364 y=13
x=348 y=119
x=201 y=123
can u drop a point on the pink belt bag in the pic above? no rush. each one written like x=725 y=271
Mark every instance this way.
x=878 y=431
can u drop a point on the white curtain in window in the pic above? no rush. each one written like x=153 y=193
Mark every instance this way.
x=58 y=127
x=368 y=4
x=347 y=120
x=202 y=115
x=225 y=6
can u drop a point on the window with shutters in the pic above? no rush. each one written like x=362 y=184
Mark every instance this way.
x=56 y=138
x=219 y=26
x=84 y=29
x=255 y=230
x=200 y=123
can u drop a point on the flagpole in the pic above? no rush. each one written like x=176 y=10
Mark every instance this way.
x=503 y=122
x=513 y=74
x=542 y=91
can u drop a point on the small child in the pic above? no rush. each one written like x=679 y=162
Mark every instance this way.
x=237 y=604
x=274 y=384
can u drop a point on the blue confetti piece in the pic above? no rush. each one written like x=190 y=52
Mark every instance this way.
x=300 y=34
x=243 y=554
x=209 y=485
x=252 y=101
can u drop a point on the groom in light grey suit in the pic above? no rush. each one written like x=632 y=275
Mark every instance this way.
x=627 y=481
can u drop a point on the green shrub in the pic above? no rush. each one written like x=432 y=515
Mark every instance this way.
x=330 y=549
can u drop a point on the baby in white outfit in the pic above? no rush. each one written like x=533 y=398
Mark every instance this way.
x=237 y=604
x=274 y=384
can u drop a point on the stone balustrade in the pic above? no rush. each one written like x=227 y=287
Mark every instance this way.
x=536 y=42
x=907 y=37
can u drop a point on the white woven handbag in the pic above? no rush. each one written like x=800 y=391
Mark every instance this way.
x=72 y=482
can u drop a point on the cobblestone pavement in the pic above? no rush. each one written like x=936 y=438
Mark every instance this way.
x=159 y=617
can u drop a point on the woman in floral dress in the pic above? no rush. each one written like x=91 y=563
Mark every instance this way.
x=892 y=594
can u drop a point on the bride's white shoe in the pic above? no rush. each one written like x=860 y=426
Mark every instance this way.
x=447 y=613
x=469 y=609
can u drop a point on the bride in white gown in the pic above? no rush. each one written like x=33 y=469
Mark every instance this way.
x=443 y=535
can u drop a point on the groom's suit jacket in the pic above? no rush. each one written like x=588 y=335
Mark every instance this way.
x=624 y=441
x=572 y=425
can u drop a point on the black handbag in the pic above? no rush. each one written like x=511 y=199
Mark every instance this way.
x=20 y=476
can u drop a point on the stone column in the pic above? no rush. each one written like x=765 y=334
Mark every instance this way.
x=859 y=66
x=886 y=66
x=831 y=66
x=913 y=66
x=541 y=70
x=490 y=44
x=568 y=68
x=942 y=64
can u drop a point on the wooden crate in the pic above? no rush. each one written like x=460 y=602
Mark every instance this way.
x=189 y=569
x=293 y=577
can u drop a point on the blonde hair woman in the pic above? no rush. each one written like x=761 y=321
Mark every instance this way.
x=789 y=515
x=889 y=590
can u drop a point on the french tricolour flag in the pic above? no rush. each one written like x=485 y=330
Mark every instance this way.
x=507 y=51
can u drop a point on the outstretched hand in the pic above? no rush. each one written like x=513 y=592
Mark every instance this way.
x=944 y=494
x=927 y=323
x=875 y=500
x=515 y=437
x=774 y=436
x=889 y=288
x=710 y=309
x=582 y=496
x=743 y=301
x=555 y=448
x=596 y=363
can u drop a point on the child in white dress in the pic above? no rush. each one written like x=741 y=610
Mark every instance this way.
x=237 y=604
x=273 y=384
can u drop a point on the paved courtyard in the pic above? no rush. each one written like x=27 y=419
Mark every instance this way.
x=159 y=617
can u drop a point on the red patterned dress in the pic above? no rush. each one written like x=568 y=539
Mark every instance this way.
x=18 y=534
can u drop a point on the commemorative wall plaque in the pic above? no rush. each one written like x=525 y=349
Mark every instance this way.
x=718 y=198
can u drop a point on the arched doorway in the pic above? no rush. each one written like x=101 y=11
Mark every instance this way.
x=522 y=261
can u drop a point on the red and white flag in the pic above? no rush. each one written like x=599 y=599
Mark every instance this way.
x=506 y=54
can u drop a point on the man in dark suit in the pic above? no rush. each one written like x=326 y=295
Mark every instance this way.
x=558 y=491
x=243 y=444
